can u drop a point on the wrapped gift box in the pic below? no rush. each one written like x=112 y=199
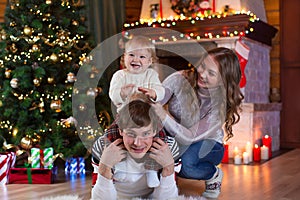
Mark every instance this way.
x=30 y=176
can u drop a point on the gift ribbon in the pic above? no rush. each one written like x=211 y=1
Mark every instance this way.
x=29 y=176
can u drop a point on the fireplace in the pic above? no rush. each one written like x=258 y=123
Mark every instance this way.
x=259 y=117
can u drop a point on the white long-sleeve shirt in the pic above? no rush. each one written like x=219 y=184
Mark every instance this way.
x=134 y=186
x=147 y=79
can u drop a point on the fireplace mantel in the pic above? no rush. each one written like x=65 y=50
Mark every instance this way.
x=212 y=28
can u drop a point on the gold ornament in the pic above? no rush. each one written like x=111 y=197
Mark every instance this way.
x=69 y=122
x=35 y=47
x=56 y=105
x=50 y=80
x=91 y=92
x=1 y=103
x=48 y=2
x=53 y=57
x=71 y=77
x=104 y=119
x=75 y=91
x=13 y=48
x=36 y=82
x=92 y=75
x=14 y=83
x=3 y=35
x=27 y=30
x=82 y=107
x=75 y=23
x=35 y=139
x=99 y=90
x=26 y=142
x=7 y=73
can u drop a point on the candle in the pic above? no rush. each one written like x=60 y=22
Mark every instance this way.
x=245 y=158
x=267 y=141
x=249 y=150
x=264 y=152
x=256 y=153
x=236 y=151
x=226 y=153
x=237 y=159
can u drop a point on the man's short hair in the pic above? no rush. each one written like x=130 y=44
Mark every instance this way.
x=138 y=113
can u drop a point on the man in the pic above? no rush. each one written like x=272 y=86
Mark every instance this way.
x=132 y=139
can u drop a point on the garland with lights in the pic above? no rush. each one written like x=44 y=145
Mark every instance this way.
x=184 y=25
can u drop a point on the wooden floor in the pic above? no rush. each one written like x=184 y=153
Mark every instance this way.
x=276 y=179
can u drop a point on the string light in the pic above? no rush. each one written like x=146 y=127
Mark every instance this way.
x=194 y=21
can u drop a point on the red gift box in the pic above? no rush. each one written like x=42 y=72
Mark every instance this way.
x=30 y=176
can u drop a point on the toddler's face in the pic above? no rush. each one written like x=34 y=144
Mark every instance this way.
x=137 y=61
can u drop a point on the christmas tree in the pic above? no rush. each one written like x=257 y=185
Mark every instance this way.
x=44 y=43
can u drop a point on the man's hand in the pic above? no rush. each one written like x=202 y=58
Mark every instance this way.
x=161 y=153
x=112 y=154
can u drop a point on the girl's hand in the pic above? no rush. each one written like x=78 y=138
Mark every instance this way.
x=126 y=90
x=160 y=111
x=150 y=93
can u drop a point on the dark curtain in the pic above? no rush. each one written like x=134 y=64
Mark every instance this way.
x=105 y=18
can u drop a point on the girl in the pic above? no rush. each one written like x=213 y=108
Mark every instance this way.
x=202 y=101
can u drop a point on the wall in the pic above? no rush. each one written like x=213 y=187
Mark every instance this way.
x=272 y=12
x=2 y=10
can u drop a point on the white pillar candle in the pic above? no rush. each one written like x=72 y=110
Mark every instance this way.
x=246 y=158
x=236 y=151
x=237 y=159
x=264 y=150
x=249 y=150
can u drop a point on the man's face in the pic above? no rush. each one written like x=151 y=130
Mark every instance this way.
x=138 y=141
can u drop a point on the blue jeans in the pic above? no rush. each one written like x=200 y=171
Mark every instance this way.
x=199 y=160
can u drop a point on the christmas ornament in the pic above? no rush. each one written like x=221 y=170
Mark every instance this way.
x=35 y=139
x=13 y=48
x=48 y=2
x=75 y=91
x=82 y=107
x=91 y=92
x=99 y=90
x=71 y=77
x=75 y=23
x=104 y=119
x=204 y=7
x=50 y=80
x=27 y=30
x=26 y=142
x=35 y=47
x=242 y=51
x=56 y=105
x=7 y=73
x=69 y=121
x=1 y=103
x=3 y=35
x=36 y=82
x=14 y=83
x=54 y=57
x=35 y=65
